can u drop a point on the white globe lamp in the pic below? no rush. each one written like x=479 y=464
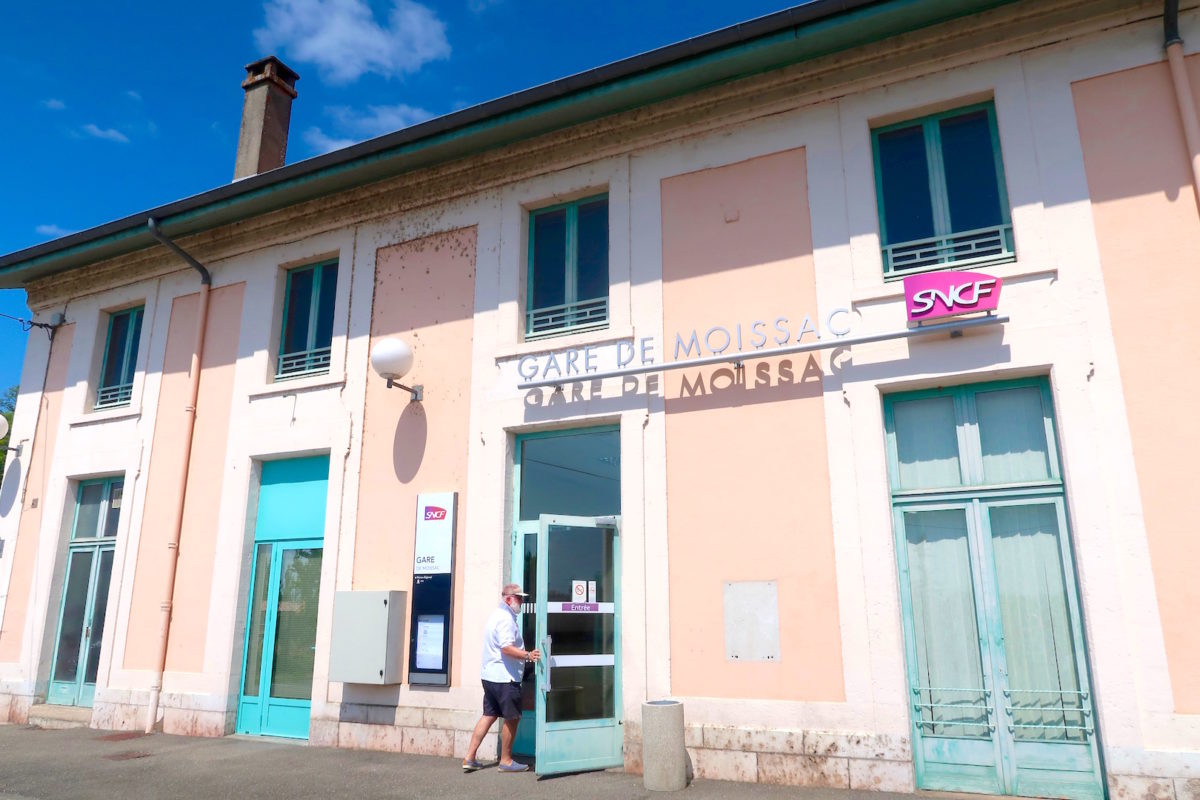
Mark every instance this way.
x=4 y=432
x=393 y=359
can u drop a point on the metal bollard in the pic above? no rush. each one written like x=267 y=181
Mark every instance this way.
x=664 y=758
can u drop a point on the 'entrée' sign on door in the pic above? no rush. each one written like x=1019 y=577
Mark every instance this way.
x=934 y=295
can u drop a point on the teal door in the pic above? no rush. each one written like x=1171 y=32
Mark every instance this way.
x=80 y=632
x=573 y=472
x=578 y=696
x=281 y=628
x=997 y=668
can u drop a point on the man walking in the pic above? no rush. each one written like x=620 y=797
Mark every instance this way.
x=504 y=660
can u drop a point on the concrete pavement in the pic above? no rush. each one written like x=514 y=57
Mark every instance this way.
x=83 y=764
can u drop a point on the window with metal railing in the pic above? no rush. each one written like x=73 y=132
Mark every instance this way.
x=307 y=335
x=568 y=268
x=939 y=183
x=120 y=358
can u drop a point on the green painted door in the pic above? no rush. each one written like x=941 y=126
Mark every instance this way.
x=80 y=632
x=281 y=639
x=574 y=472
x=281 y=627
x=997 y=666
x=578 y=696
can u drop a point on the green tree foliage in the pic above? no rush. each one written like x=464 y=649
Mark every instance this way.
x=8 y=403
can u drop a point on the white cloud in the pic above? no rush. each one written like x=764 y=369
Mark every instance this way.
x=53 y=231
x=345 y=41
x=54 y=105
x=111 y=134
x=480 y=6
x=321 y=142
x=132 y=95
x=357 y=126
x=378 y=120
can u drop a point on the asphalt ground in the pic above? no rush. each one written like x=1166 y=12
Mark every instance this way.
x=82 y=764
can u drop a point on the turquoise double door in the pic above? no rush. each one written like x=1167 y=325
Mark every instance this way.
x=80 y=632
x=570 y=566
x=281 y=626
x=999 y=691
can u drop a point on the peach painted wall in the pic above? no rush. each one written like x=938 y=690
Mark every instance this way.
x=1148 y=232
x=747 y=472
x=425 y=294
x=193 y=582
x=24 y=555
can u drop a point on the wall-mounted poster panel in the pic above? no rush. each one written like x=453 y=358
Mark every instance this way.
x=433 y=588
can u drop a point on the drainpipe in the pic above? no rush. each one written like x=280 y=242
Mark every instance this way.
x=189 y=412
x=1183 y=89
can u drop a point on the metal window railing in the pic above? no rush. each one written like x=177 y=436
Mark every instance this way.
x=304 y=362
x=118 y=395
x=980 y=246
x=584 y=315
x=948 y=711
x=1049 y=714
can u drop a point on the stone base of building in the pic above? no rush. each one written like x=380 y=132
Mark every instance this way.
x=873 y=762
x=14 y=709
x=1136 y=787
x=870 y=762
x=114 y=716
x=419 y=731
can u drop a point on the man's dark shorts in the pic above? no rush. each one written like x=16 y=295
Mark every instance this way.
x=502 y=700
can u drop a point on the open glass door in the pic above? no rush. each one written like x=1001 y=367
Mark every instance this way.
x=579 y=724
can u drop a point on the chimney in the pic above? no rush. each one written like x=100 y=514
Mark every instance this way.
x=270 y=88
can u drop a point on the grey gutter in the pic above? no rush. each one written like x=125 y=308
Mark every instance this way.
x=822 y=26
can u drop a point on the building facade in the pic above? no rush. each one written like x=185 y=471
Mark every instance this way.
x=672 y=384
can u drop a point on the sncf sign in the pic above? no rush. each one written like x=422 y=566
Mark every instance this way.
x=934 y=295
x=433 y=512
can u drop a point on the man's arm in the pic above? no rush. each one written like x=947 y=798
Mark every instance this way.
x=512 y=651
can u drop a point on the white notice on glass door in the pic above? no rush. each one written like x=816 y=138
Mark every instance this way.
x=430 y=637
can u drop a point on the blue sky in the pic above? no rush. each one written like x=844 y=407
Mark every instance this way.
x=114 y=108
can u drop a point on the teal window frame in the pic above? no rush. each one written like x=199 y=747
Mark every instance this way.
x=107 y=485
x=314 y=359
x=947 y=248
x=573 y=315
x=93 y=544
x=114 y=395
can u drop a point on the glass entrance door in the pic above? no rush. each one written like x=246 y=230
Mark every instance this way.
x=285 y=590
x=993 y=630
x=578 y=615
x=573 y=472
x=281 y=639
x=80 y=633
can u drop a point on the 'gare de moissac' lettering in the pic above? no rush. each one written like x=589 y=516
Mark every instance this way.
x=717 y=340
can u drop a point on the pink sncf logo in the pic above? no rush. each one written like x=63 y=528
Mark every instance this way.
x=933 y=295
x=433 y=512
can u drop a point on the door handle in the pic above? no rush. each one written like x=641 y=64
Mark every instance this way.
x=87 y=632
x=546 y=643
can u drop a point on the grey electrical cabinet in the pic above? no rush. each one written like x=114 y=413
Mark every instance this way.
x=368 y=637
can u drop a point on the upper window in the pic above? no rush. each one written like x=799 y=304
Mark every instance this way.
x=970 y=436
x=941 y=193
x=568 y=268
x=98 y=509
x=304 y=344
x=120 y=358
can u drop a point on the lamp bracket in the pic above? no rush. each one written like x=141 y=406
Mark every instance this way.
x=417 y=391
